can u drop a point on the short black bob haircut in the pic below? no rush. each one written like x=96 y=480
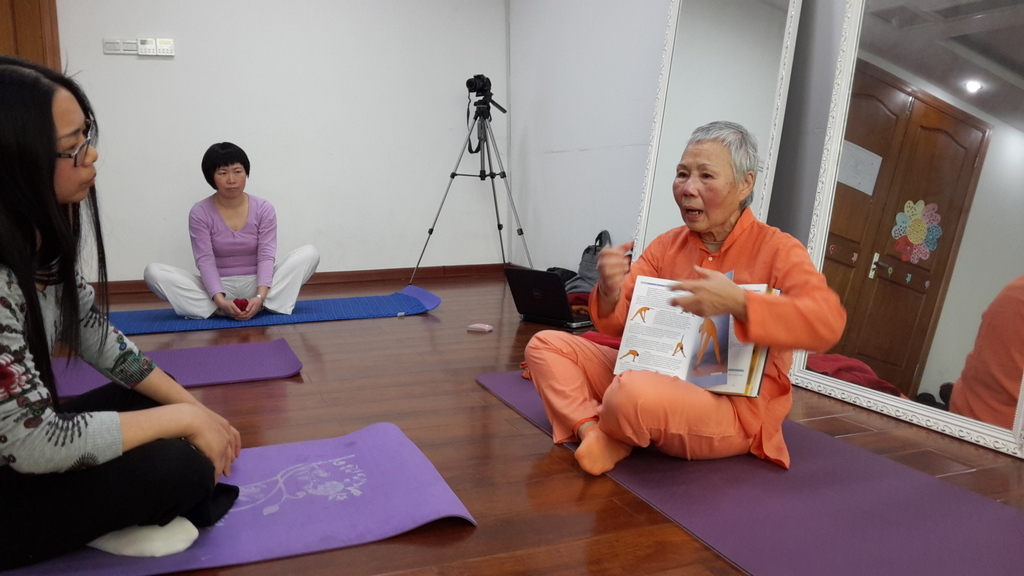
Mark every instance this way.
x=223 y=154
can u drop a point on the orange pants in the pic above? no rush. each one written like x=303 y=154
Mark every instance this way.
x=574 y=379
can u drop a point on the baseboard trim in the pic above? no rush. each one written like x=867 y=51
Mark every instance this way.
x=121 y=287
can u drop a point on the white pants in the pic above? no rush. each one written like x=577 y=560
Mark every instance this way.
x=189 y=297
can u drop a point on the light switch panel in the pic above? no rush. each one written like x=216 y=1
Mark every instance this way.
x=147 y=47
x=111 y=46
x=165 y=47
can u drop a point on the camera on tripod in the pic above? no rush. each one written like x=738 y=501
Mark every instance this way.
x=480 y=84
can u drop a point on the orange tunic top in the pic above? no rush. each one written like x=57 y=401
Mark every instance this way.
x=989 y=385
x=807 y=315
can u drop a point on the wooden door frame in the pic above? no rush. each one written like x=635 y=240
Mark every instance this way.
x=30 y=31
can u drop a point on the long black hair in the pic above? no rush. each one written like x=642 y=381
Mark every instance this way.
x=40 y=238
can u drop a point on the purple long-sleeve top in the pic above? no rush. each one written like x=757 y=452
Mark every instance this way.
x=220 y=251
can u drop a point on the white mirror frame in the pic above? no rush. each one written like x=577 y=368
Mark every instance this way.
x=1000 y=439
x=762 y=194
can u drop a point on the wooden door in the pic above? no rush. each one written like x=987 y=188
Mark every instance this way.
x=905 y=234
x=877 y=123
x=28 y=29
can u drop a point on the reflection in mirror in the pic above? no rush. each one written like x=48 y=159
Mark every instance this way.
x=729 y=60
x=907 y=174
x=989 y=385
x=918 y=207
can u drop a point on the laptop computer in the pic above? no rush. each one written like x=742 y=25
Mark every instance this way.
x=540 y=297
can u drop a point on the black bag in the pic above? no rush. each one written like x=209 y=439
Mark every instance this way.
x=564 y=274
x=588 y=263
x=573 y=282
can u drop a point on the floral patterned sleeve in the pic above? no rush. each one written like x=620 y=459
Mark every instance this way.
x=33 y=437
x=105 y=347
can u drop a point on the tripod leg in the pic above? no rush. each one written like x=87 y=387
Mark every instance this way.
x=481 y=139
x=494 y=195
x=508 y=192
x=430 y=231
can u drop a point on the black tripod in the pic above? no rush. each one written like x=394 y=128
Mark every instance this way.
x=485 y=142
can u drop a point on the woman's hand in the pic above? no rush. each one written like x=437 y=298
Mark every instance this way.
x=227 y=307
x=195 y=423
x=234 y=438
x=161 y=388
x=215 y=442
x=612 y=267
x=254 y=306
x=712 y=293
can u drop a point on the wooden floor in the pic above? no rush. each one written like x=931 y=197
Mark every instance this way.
x=537 y=512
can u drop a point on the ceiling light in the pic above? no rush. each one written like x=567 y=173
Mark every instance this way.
x=972 y=86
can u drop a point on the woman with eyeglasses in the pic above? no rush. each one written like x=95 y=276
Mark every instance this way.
x=234 y=243
x=131 y=467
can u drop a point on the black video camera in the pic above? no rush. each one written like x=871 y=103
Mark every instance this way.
x=480 y=84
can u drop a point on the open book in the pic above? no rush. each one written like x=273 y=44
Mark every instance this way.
x=662 y=338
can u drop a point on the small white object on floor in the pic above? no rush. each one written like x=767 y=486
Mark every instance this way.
x=149 y=541
x=480 y=328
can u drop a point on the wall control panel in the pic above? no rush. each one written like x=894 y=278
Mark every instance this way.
x=139 y=46
x=165 y=47
x=147 y=47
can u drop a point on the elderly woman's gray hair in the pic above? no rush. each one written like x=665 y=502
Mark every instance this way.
x=741 y=144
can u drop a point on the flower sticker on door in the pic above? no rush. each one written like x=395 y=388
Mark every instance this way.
x=917 y=231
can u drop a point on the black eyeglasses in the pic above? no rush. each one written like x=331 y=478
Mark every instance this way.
x=79 y=153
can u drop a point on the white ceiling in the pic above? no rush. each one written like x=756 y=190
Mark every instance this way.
x=948 y=42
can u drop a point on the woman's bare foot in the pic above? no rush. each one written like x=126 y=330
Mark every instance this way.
x=598 y=452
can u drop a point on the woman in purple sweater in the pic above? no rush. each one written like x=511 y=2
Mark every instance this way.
x=234 y=242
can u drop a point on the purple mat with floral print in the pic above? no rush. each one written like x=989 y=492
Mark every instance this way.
x=301 y=498
x=201 y=366
x=839 y=510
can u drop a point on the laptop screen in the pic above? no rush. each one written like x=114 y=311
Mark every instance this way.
x=540 y=297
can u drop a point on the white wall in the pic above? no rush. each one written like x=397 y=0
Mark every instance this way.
x=742 y=89
x=352 y=114
x=584 y=77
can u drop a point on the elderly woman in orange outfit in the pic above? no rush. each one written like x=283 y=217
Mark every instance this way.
x=609 y=414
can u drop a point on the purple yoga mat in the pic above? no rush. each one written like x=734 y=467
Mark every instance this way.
x=201 y=366
x=839 y=510
x=301 y=498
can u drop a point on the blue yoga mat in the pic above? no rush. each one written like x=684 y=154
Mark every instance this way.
x=839 y=510
x=410 y=300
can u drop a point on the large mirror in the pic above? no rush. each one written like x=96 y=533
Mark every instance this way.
x=727 y=60
x=916 y=218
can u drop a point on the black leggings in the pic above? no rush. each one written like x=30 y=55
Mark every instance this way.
x=46 y=515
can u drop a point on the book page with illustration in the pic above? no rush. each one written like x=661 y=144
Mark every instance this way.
x=662 y=338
